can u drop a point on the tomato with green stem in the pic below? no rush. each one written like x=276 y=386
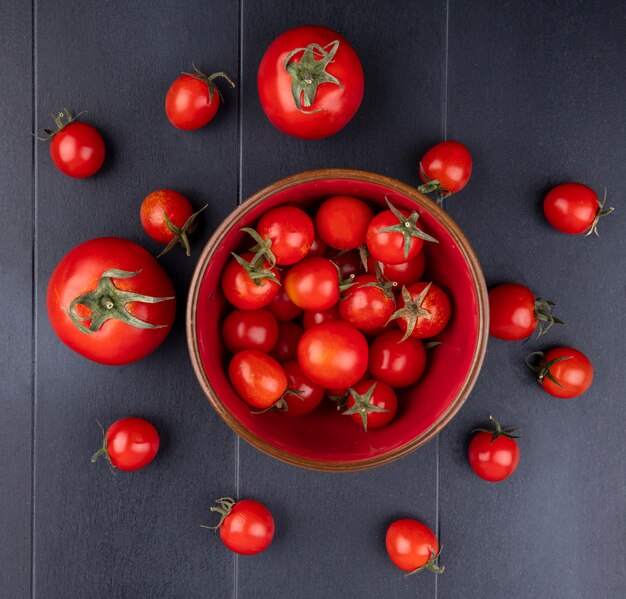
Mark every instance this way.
x=445 y=168
x=562 y=372
x=249 y=282
x=257 y=378
x=342 y=222
x=250 y=329
x=493 y=452
x=424 y=310
x=302 y=395
x=395 y=361
x=367 y=304
x=412 y=546
x=371 y=404
x=401 y=274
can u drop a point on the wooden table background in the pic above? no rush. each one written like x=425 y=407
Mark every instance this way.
x=535 y=89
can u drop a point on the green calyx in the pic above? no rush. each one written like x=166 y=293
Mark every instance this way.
x=600 y=214
x=432 y=185
x=61 y=120
x=407 y=226
x=263 y=247
x=310 y=72
x=412 y=310
x=383 y=283
x=498 y=431
x=430 y=565
x=543 y=368
x=210 y=80
x=224 y=508
x=362 y=405
x=340 y=400
x=106 y=301
x=255 y=269
x=103 y=452
x=181 y=233
x=344 y=284
x=281 y=405
x=543 y=309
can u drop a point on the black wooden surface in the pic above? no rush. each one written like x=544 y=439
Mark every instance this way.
x=536 y=90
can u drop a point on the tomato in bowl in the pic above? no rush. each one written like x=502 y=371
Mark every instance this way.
x=323 y=439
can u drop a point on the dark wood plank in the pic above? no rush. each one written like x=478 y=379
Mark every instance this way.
x=533 y=92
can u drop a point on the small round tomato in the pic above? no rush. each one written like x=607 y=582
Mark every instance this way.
x=446 y=168
x=250 y=329
x=311 y=318
x=310 y=82
x=193 y=99
x=494 y=453
x=246 y=527
x=395 y=362
x=313 y=284
x=333 y=354
x=400 y=274
x=423 y=310
x=249 y=286
x=129 y=444
x=514 y=312
x=258 y=378
x=349 y=263
x=412 y=546
x=318 y=248
x=342 y=222
x=371 y=404
x=76 y=148
x=286 y=346
x=574 y=208
x=563 y=371
x=365 y=305
x=282 y=307
x=308 y=396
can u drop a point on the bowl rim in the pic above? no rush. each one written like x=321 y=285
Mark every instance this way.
x=421 y=200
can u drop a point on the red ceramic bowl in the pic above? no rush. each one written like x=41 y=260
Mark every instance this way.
x=323 y=439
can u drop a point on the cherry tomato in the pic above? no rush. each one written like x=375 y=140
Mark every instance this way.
x=250 y=329
x=342 y=222
x=258 y=378
x=563 y=372
x=129 y=444
x=395 y=362
x=318 y=247
x=76 y=148
x=446 y=168
x=109 y=300
x=514 y=312
x=309 y=394
x=240 y=278
x=366 y=306
x=371 y=404
x=310 y=82
x=286 y=347
x=313 y=284
x=423 y=310
x=574 y=208
x=494 y=453
x=412 y=546
x=193 y=99
x=333 y=354
x=311 y=318
x=400 y=274
x=282 y=307
x=246 y=527
x=349 y=263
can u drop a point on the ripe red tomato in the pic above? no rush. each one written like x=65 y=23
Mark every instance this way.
x=514 y=312
x=563 y=372
x=286 y=347
x=193 y=99
x=313 y=284
x=423 y=310
x=371 y=404
x=249 y=286
x=310 y=82
x=109 y=300
x=400 y=274
x=318 y=247
x=342 y=222
x=349 y=263
x=258 y=378
x=412 y=546
x=574 y=208
x=446 y=168
x=246 y=527
x=395 y=362
x=250 y=329
x=309 y=397
x=366 y=306
x=282 y=307
x=494 y=453
x=129 y=444
x=333 y=354
x=311 y=318
x=76 y=148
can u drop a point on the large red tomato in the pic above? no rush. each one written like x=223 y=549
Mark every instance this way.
x=310 y=82
x=109 y=300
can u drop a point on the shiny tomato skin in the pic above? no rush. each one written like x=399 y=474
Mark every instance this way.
x=448 y=162
x=257 y=378
x=187 y=103
x=575 y=374
x=291 y=232
x=313 y=284
x=248 y=529
x=310 y=395
x=383 y=397
x=401 y=274
x=282 y=307
x=571 y=208
x=333 y=106
x=164 y=202
x=364 y=306
x=115 y=342
x=399 y=364
x=241 y=291
x=250 y=329
x=387 y=247
x=78 y=150
x=342 y=222
x=410 y=544
x=493 y=460
x=132 y=443
x=310 y=318
x=286 y=346
x=436 y=303
x=511 y=312
x=333 y=354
